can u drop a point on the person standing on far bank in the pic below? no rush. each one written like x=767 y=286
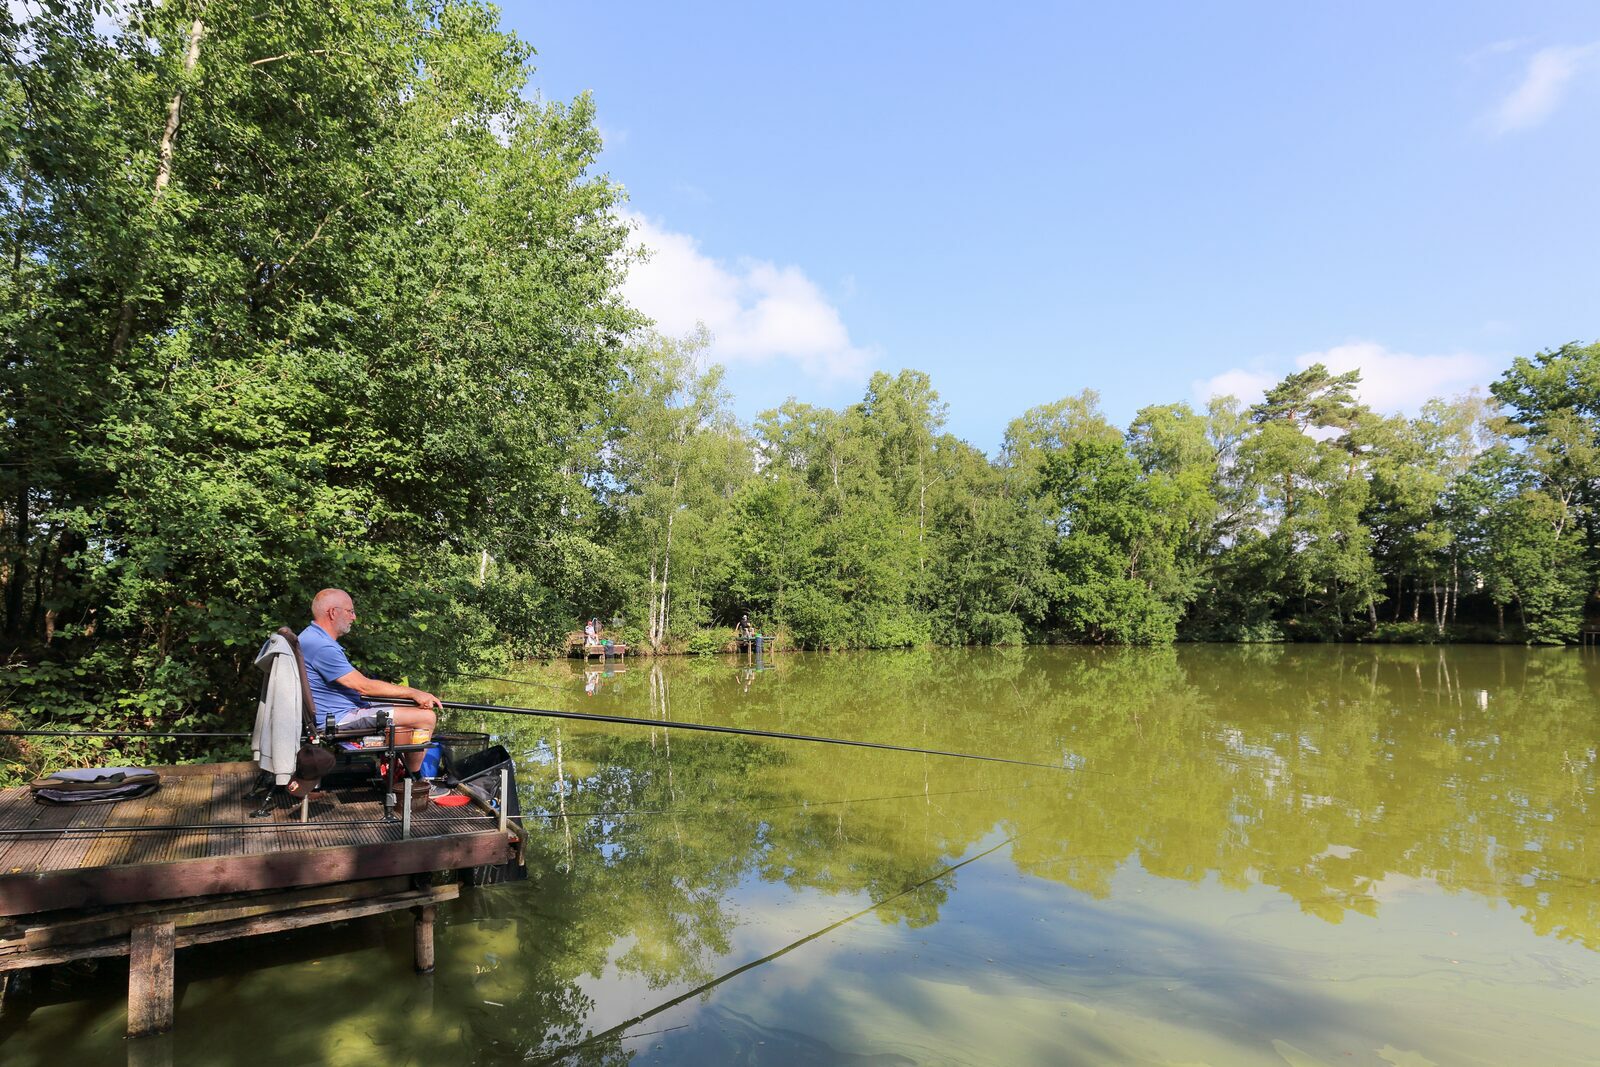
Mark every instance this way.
x=340 y=691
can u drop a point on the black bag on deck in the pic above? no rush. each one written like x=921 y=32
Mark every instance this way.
x=94 y=785
x=481 y=770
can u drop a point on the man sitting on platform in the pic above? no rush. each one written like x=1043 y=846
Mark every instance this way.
x=340 y=691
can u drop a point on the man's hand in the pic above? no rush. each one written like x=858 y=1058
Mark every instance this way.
x=426 y=700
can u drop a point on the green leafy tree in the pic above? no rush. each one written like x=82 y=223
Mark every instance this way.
x=1313 y=562
x=677 y=457
x=298 y=295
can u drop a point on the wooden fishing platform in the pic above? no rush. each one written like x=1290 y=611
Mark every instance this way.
x=100 y=886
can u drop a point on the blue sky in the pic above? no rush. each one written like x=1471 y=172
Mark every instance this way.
x=1153 y=201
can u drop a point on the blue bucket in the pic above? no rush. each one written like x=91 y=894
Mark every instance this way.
x=432 y=756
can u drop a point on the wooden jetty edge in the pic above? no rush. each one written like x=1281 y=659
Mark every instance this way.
x=107 y=882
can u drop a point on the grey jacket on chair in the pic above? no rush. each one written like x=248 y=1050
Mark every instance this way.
x=276 y=738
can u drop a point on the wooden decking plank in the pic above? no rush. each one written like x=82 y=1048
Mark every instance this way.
x=68 y=850
x=226 y=806
x=22 y=854
x=289 y=918
x=25 y=894
x=346 y=834
x=17 y=808
x=96 y=924
x=112 y=848
x=189 y=805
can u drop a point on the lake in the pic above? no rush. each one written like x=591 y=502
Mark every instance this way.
x=1237 y=855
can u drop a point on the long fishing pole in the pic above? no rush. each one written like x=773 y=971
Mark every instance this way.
x=115 y=733
x=628 y=720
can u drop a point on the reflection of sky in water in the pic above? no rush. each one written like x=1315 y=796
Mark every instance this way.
x=1254 y=856
x=1018 y=971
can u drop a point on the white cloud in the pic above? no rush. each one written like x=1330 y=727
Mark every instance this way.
x=1550 y=74
x=757 y=312
x=1390 y=381
x=1496 y=48
x=1248 y=385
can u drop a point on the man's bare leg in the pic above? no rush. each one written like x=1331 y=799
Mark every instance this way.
x=419 y=717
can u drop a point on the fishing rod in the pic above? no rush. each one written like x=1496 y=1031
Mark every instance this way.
x=670 y=724
x=113 y=733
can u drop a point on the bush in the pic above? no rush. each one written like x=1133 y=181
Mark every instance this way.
x=1407 y=633
x=707 y=642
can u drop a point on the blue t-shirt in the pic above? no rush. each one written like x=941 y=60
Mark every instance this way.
x=325 y=663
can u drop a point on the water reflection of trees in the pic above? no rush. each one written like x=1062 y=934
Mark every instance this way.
x=1321 y=771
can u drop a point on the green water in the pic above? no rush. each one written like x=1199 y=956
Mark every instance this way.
x=1254 y=855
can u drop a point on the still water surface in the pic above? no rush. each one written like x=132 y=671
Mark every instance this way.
x=1252 y=855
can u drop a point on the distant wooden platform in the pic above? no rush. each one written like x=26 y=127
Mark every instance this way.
x=104 y=882
x=604 y=652
x=89 y=864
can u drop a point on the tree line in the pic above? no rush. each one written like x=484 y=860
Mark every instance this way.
x=296 y=294
x=1305 y=516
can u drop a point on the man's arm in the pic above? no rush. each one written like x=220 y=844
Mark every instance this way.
x=372 y=687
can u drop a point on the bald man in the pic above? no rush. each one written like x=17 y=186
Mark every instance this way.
x=340 y=692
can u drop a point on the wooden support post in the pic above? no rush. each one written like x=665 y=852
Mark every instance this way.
x=150 y=950
x=505 y=806
x=14 y=987
x=424 y=931
x=405 y=813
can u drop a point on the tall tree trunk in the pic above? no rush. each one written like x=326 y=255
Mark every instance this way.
x=169 y=140
x=22 y=225
x=666 y=562
x=42 y=572
x=666 y=573
x=17 y=581
x=650 y=601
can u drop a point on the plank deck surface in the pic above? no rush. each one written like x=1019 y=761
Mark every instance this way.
x=194 y=835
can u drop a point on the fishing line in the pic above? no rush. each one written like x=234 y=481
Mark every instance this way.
x=670 y=724
x=618 y=1030
x=573 y=688
x=113 y=733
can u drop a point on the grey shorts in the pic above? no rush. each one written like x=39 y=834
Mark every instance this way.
x=362 y=718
